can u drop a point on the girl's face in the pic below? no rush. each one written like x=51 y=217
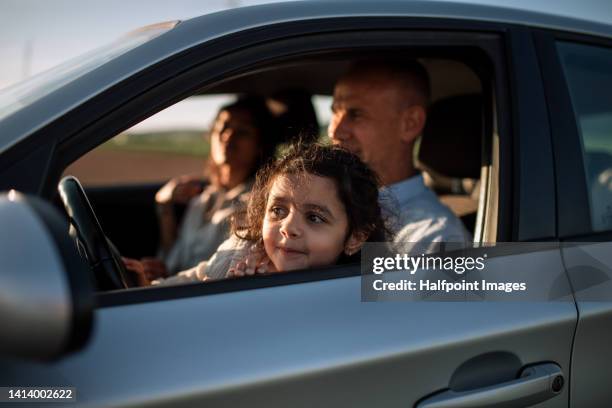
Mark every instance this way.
x=305 y=224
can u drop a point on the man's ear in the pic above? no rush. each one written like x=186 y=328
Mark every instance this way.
x=355 y=242
x=413 y=122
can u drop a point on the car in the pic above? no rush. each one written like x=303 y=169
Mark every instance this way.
x=519 y=148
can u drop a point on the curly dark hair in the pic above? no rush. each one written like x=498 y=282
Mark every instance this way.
x=357 y=188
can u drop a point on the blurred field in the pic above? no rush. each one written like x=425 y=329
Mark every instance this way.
x=141 y=159
x=132 y=158
x=186 y=142
x=104 y=167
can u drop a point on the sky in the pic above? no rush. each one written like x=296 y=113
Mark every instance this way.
x=36 y=35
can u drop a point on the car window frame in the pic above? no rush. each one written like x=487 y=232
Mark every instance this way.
x=534 y=218
x=122 y=106
x=296 y=277
x=573 y=211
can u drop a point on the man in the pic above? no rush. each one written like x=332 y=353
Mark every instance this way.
x=378 y=112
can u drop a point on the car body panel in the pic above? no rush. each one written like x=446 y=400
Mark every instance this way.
x=590 y=273
x=301 y=345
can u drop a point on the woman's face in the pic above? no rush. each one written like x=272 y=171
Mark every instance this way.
x=235 y=140
x=305 y=223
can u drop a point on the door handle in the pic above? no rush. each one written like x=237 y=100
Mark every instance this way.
x=535 y=384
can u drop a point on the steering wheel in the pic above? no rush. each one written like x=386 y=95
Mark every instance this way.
x=102 y=256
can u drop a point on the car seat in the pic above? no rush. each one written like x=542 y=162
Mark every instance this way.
x=450 y=152
x=295 y=115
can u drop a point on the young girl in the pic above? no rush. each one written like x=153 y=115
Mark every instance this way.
x=313 y=207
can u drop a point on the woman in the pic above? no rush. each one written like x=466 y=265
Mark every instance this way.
x=242 y=138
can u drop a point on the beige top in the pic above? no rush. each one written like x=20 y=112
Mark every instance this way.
x=205 y=226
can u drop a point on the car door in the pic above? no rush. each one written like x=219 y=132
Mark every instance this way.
x=307 y=338
x=577 y=72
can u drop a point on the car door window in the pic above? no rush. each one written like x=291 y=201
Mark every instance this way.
x=167 y=144
x=588 y=73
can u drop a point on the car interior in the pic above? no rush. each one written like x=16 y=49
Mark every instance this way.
x=451 y=153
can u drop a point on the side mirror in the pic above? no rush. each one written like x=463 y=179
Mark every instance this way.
x=46 y=297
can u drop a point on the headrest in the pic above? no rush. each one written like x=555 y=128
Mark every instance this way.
x=451 y=141
x=295 y=115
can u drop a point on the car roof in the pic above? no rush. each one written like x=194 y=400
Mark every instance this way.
x=201 y=29
x=492 y=12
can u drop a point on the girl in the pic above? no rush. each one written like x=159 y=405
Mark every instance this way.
x=313 y=207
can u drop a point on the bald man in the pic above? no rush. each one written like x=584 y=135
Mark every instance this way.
x=379 y=111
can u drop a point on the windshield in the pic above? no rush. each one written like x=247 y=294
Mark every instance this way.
x=30 y=90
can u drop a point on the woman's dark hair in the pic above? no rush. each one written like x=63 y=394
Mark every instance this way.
x=263 y=121
x=357 y=188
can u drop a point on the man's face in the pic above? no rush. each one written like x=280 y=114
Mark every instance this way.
x=365 y=119
x=370 y=118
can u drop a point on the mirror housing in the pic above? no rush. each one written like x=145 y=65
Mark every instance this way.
x=46 y=297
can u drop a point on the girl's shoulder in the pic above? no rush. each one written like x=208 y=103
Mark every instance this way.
x=230 y=252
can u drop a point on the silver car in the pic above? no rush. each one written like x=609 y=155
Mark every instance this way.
x=520 y=147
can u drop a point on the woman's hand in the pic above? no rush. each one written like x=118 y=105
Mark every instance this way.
x=146 y=270
x=255 y=262
x=179 y=190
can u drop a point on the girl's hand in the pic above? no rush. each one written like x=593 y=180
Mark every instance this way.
x=255 y=262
